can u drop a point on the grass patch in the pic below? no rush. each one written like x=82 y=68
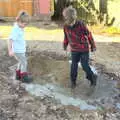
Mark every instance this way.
x=31 y=33
x=111 y=30
x=5 y=31
x=100 y=29
x=34 y=33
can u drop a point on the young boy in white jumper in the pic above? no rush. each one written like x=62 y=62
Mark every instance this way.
x=17 y=46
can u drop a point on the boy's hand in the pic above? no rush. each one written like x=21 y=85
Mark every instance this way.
x=65 y=47
x=11 y=53
x=93 y=49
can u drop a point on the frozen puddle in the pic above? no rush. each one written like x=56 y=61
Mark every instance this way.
x=56 y=92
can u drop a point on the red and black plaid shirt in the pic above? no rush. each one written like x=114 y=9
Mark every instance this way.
x=78 y=37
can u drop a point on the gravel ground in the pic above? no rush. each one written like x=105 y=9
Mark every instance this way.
x=17 y=104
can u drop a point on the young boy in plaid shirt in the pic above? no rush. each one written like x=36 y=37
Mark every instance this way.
x=80 y=40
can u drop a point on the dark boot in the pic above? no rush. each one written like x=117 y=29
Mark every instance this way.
x=73 y=84
x=93 y=81
x=26 y=77
x=18 y=77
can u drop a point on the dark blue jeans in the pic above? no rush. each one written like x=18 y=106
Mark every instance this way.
x=83 y=57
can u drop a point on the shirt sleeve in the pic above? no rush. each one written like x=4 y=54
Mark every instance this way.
x=89 y=36
x=13 y=35
x=91 y=40
x=65 y=42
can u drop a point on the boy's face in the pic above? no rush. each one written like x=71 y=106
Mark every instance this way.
x=64 y=14
x=69 y=16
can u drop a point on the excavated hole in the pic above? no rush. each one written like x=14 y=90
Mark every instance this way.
x=47 y=70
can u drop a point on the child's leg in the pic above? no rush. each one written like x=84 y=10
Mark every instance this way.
x=74 y=67
x=18 y=65
x=86 y=67
x=22 y=61
x=18 y=70
x=23 y=67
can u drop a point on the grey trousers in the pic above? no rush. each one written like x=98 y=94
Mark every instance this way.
x=22 y=61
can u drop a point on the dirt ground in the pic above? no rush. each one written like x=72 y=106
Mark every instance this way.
x=49 y=64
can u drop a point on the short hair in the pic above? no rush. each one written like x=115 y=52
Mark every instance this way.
x=23 y=17
x=70 y=14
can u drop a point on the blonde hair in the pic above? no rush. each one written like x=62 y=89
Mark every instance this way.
x=23 y=17
x=70 y=14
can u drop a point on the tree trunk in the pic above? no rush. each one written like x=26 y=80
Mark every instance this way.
x=103 y=6
x=103 y=11
x=59 y=6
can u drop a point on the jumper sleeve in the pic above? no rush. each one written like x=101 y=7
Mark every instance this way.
x=89 y=36
x=65 y=42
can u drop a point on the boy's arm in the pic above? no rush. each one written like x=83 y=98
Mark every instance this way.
x=10 y=51
x=65 y=42
x=13 y=37
x=92 y=42
x=89 y=37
